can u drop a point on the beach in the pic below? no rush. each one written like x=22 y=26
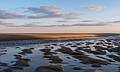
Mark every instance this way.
x=91 y=54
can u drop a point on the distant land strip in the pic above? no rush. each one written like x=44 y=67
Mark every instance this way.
x=28 y=36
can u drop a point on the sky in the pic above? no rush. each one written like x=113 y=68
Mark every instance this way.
x=34 y=13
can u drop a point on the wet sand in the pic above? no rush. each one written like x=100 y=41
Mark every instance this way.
x=88 y=55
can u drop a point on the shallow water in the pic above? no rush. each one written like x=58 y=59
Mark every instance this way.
x=7 y=58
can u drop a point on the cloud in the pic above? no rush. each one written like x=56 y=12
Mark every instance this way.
x=50 y=12
x=39 y=12
x=97 y=8
x=29 y=25
x=15 y=25
x=34 y=24
x=87 y=21
x=115 y=21
x=71 y=15
x=87 y=24
x=6 y=24
x=8 y=15
x=62 y=21
x=79 y=24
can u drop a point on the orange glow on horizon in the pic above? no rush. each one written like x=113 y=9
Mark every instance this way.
x=62 y=35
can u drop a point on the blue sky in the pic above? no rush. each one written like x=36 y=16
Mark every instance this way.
x=59 y=12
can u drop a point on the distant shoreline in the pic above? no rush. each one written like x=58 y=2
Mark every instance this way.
x=30 y=36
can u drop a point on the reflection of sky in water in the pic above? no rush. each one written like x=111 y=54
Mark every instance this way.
x=38 y=60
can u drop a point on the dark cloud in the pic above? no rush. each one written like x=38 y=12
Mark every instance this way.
x=65 y=25
x=89 y=24
x=40 y=17
x=87 y=21
x=62 y=21
x=29 y=25
x=50 y=12
x=8 y=15
x=79 y=24
x=115 y=21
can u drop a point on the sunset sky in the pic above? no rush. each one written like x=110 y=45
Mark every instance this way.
x=20 y=14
